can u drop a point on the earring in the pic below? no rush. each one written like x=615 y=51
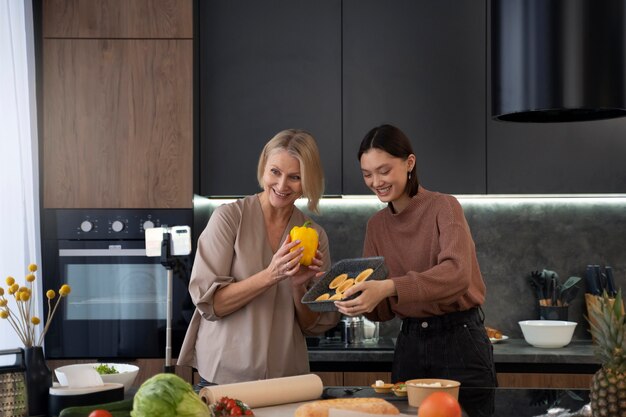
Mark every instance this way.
x=409 y=174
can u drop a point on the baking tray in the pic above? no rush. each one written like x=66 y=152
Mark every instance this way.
x=352 y=267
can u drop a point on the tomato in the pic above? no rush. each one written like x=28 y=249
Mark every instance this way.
x=439 y=404
x=230 y=404
x=235 y=411
x=100 y=413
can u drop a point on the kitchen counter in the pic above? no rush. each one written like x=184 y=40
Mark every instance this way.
x=508 y=402
x=509 y=354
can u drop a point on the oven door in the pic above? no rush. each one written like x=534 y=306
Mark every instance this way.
x=117 y=307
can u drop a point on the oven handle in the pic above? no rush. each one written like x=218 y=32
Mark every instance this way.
x=113 y=251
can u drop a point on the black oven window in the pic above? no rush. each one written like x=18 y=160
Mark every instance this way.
x=116 y=291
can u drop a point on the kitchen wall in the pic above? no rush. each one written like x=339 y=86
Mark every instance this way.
x=514 y=236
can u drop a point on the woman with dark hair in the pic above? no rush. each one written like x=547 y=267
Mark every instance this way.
x=435 y=284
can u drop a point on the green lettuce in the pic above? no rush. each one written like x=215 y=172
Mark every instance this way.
x=168 y=395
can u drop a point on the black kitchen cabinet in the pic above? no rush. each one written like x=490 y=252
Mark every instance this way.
x=264 y=67
x=419 y=65
x=340 y=67
x=556 y=158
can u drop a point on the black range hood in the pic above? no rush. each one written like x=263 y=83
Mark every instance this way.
x=558 y=60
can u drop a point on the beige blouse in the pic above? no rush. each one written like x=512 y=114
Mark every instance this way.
x=263 y=339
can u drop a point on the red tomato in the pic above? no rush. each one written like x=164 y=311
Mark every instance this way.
x=439 y=404
x=100 y=413
x=235 y=411
x=230 y=403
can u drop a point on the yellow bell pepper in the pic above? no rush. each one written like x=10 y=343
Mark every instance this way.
x=309 y=240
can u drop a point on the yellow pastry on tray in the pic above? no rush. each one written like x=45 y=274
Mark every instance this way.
x=346 y=284
x=363 y=275
x=323 y=297
x=339 y=279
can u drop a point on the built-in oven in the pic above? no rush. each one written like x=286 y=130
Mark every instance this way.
x=118 y=304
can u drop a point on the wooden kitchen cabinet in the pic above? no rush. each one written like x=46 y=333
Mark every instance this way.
x=117 y=104
x=365 y=379
x=117 y=124
x=117 y=113
x=505 y=380
x=151 y=19
x=529 y=380
x=265 y=67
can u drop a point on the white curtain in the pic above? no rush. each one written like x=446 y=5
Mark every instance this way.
x=19 y=177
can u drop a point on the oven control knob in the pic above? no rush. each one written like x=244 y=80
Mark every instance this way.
x=117 y=226
x=86 y=226
x=148 y=224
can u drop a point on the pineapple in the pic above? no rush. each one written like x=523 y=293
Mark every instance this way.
x=608 y=328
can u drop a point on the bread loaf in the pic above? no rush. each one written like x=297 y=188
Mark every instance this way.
x=366 y=405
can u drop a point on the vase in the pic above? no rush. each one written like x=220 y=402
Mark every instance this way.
x=38 y=381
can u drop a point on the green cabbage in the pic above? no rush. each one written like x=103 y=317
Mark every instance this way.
x=168 y=395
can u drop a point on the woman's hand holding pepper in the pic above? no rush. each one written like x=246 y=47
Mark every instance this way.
x=284 y=263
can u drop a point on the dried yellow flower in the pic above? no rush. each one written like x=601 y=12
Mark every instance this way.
x=21 y=316
x=65 y=290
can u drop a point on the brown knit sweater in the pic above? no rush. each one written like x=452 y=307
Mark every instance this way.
x=430 y=253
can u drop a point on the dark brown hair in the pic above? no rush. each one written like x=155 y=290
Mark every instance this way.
x=392 y=140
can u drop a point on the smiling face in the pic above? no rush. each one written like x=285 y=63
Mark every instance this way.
x=386 y=176
x=282 y=181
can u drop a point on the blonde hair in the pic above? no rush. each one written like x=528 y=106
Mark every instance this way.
x=301 y=145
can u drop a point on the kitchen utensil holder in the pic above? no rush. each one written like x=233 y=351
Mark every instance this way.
x=13 y=396
x=553 y=313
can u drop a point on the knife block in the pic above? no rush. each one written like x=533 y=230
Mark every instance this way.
x=593 y=301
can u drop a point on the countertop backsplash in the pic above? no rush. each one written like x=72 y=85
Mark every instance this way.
x=514 y=235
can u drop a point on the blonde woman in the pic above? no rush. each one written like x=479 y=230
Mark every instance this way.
x=249 y=322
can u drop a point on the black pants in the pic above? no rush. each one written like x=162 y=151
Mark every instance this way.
x=452 y=346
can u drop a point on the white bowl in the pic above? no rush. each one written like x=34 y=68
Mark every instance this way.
x=126 y=373
x=548 y=333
